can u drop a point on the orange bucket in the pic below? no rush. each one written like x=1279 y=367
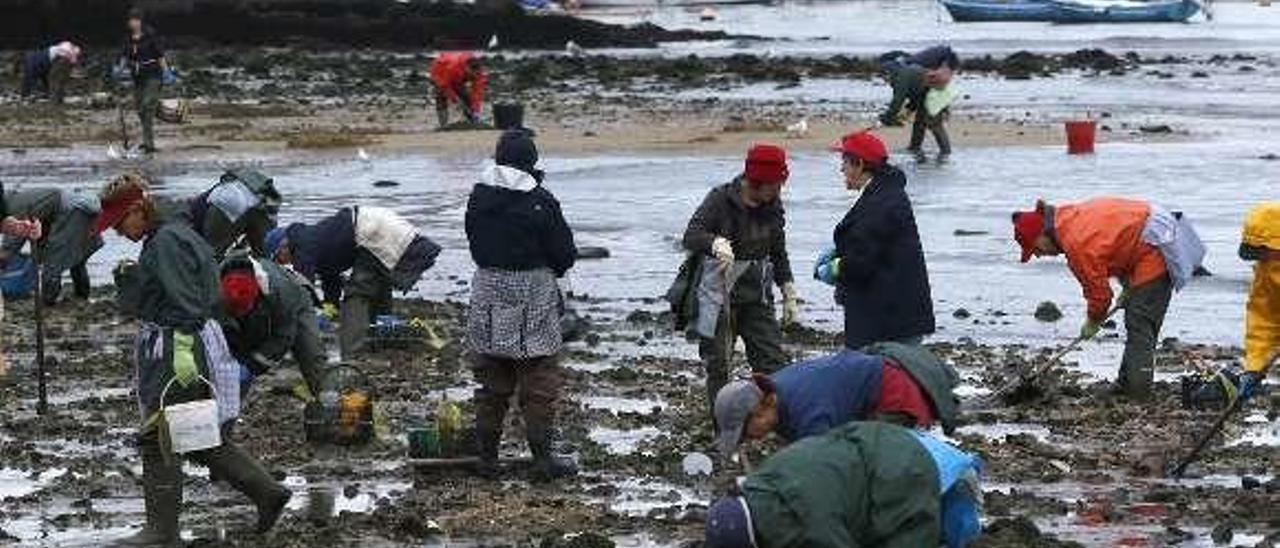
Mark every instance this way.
x=1080 y=136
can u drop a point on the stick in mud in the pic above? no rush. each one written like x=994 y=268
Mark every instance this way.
x=42 y=403
x=1236 y=404
x=1023 y=381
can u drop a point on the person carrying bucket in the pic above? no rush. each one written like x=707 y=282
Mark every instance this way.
x=864 y=484
x=268 y=312
x=737 y=242
x=877 y=263
x=458 y=77
x=13 y=227
x=69 y=242
x=1153 y=252
x=922 y=83
x=181 y=356
x=521 y=244
x=381 y=249
x=889 y=382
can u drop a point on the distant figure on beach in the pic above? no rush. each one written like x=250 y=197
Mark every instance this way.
x=922 y=84
x=458 y=77
x=46 y=70
x=144 y=57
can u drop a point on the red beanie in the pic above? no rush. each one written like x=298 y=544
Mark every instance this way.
x=767 y=164
x=1027 y=227
x=864 y=146
x=239 y=292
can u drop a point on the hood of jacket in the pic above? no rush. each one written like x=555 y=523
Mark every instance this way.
x=508 y=178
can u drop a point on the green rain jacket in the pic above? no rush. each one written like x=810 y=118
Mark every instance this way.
x=861 y=485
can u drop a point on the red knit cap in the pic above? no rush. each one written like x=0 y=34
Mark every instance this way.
x=239 y=292
x=767 y=164
x=864 y=146
x=115 y=207
x=1027 y=227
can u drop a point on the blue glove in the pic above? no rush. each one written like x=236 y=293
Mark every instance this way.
x=168 y=77
x=827 y=267
x=1250 y=386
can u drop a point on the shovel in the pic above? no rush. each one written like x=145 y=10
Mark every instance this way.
x=1026 y=380
x=1236 y=405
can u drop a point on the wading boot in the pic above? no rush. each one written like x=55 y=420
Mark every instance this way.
x=247 y=476
x=162 y=497
x=547 y=466
x=353 y=331
x=491 y=410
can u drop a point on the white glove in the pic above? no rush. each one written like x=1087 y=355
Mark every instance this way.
x=790 y=304
x=722 y=250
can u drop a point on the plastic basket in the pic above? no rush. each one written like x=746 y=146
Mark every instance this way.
x=342 y=412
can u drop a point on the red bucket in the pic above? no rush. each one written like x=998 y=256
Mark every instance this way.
x=1080 y=136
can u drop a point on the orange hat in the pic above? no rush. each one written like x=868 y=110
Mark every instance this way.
x=767 y=164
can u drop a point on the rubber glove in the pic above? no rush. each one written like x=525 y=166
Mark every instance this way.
x=722 y=250
x=330 y=311
x=824 y=257
x=790 y=304
x=169 y=77
x=1090 y=329
x=1250 y=385
x=828 y=268
x=184 y=359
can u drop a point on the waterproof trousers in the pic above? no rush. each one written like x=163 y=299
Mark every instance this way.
x=1143 y=316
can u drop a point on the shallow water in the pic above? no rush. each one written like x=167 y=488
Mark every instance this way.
x=874 y=27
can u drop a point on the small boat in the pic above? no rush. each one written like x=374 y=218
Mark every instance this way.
x=1123 y=11
x=963 y=11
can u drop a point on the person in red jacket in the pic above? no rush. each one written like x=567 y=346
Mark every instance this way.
x=1106 y=238
x=458 y=77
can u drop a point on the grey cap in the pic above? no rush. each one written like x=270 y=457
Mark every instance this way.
x=734 y=404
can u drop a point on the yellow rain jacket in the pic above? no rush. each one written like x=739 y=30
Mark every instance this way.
x=1262 y=324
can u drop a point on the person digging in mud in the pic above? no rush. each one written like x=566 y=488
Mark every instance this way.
x=458 y=77
x=47 y=70
x=1152 y=251
x=521 y=244
x=243 y=204
x=921 y=83
x=68 y=243
x=14 y=227
x=383 y=251
x=267 y=313
x=890 y=382
x=877 y=265
x=179 y=344
x=737 y=238
x=863 y=484
x=144 y=57
x=1260 y=242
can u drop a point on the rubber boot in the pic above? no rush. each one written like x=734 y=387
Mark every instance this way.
x=489 y=439
x=547 y=466
x=355 y=326
x=162 y=497
x=247 y=476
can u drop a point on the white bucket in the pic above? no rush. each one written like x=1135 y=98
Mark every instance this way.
x=192 y=426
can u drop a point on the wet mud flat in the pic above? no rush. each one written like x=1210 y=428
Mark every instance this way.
x=1073 y=464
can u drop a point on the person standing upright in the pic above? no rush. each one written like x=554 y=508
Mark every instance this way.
x=877 y=265
x=739 y=234
x=521 y=244
x=144 y=55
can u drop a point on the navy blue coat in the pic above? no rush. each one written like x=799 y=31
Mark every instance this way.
x=326 y=249
x=883 y=285
x=820 y=394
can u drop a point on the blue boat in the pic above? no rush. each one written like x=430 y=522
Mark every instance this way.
x=1123 y=11
x=963 y=11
